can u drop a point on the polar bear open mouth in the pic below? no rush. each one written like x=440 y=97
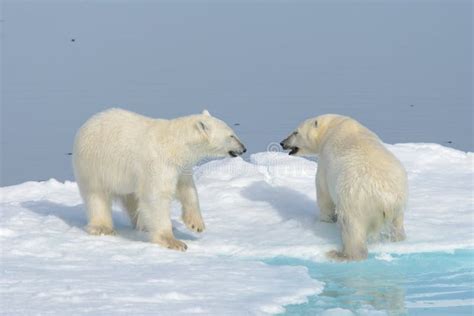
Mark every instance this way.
x=293 y=150
x=233 y=153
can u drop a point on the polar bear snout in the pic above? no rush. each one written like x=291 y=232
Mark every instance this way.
x=236 y=148
x=238 y=152
x=288 y=144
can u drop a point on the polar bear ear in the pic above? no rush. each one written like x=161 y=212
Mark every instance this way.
x=206 y=112
x=202 y=127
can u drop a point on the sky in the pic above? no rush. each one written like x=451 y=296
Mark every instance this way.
x=402 y=68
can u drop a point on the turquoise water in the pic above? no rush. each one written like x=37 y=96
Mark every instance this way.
x=413 y=284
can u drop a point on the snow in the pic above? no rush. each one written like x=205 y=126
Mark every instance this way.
x=255 y=210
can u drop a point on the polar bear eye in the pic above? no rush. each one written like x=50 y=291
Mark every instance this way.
x=316 y=123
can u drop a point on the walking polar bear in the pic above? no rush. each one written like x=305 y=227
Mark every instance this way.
x=145 y=163
x=359 y=182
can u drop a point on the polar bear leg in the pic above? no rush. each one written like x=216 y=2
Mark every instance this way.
x=327 y=209
x=187 y=195
x=398 y=230
x=354 y=242
x=155 y=207
x=99 y=213
x=130 y=203
x=353 y=239
x=158 y=222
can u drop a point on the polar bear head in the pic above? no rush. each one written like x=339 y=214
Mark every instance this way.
x=219 y=140
x=307 y=139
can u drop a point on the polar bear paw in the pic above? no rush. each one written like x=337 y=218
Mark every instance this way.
x=397 y=235
x=341 y=256
x=337 y=255
x=100 y=230
x=328 y=218
x=194 y=222
x=171 y=243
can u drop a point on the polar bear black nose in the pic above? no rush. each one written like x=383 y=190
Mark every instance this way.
x=245 y=150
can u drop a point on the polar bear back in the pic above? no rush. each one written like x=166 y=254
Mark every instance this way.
x=361 y=173
x=108 y=147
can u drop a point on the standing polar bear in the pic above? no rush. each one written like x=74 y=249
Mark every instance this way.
x=145 y=163
x=359 y=182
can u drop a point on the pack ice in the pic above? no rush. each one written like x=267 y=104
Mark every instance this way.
x=254 y=210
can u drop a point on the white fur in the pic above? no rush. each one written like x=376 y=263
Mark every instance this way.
x=358 y=181
x=146 y=163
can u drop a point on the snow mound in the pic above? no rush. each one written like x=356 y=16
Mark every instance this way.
x=253 y=210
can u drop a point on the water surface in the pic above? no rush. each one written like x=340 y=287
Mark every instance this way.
x=414 y=284
x=403 y=68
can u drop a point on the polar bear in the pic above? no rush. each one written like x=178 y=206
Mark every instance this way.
x=359 y=183
x=145 y=163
